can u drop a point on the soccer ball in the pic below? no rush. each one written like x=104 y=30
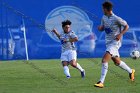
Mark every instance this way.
x=135 y=54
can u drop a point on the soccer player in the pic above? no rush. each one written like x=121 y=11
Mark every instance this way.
x=68 y=55
x=114 y=28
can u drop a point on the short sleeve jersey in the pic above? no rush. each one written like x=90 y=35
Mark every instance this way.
x=112 y=26
x=67 y=45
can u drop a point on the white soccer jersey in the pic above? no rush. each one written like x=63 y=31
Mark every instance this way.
x=112 y=26
x=67 y=45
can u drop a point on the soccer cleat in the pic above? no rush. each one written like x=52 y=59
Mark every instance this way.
x=132 y=75
x=68 y=77
x=99 y=84
x=83 y=73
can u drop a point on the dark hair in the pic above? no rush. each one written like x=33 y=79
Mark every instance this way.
x=66 y=22
x=107 y=5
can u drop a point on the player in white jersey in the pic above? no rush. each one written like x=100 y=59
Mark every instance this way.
x=68 y=55
x=112 y=25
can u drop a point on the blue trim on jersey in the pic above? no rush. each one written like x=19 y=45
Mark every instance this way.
x=108 y=30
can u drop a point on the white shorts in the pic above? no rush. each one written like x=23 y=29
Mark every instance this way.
x=113 y=48
x=68 y=55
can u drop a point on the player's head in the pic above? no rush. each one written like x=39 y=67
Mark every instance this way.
x=66 y=25
x=107 y=7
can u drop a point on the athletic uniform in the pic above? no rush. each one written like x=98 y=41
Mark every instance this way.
x=68 y=48
x=112 y=26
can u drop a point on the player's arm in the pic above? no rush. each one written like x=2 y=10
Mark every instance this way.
x=73 y=39
x=101 y=27
x=125 y=28
x=56 y=33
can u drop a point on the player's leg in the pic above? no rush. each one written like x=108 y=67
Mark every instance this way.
x=66 y=69
x=124 y=66
x=104 y=70
x=73 y=63
x=121 y=64
x=65 y=64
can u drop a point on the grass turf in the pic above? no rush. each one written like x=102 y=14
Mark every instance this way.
x=46 y=76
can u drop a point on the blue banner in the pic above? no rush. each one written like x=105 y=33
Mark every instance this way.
x=40 y=17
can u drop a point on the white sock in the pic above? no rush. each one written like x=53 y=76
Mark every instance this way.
x=66 y=71
x=125 y=67
x=79 y=67
x=104 y=71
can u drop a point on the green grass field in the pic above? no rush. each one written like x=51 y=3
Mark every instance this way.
x=46 y=76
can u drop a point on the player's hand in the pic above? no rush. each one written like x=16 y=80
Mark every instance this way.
x=101 y=28
x=118 y=37
x=65 y=40
x=54 y=30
